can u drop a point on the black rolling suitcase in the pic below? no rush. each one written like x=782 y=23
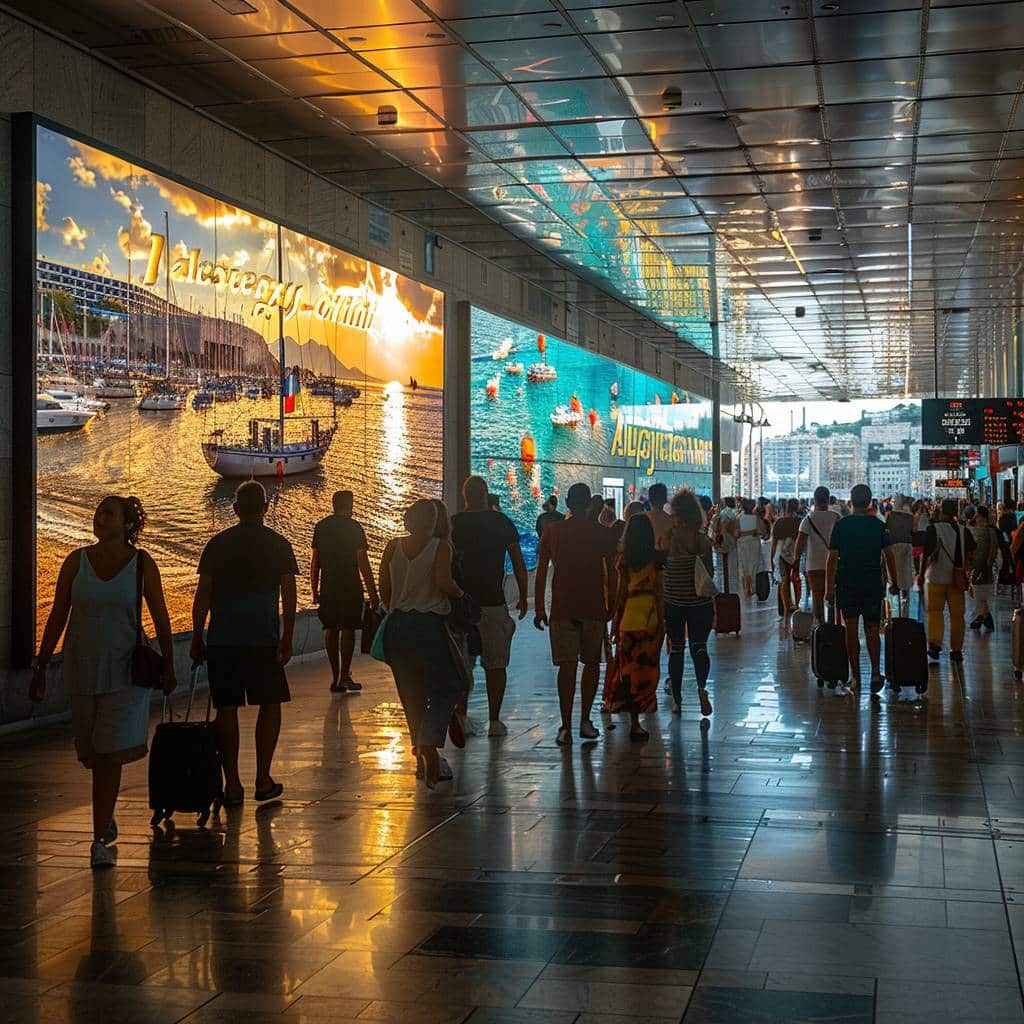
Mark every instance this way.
x=829 y=661
x=184 y=765
x=763 y=585
x=906 y=653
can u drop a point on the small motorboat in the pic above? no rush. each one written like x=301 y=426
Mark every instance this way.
x=563 y=416
x=345 y=394
x=515 y=369
x=71 y=400
x=540 y=373
x=53 y=418
x=162 y=398
x=113 y=388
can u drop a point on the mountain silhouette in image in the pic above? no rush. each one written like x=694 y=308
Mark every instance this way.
x=318 y=358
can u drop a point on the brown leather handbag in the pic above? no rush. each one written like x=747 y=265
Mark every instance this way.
x=147 y=664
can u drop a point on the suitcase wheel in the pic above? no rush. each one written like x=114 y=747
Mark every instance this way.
x=821 y=683
x=203 y=819
x=921 y=688
x=158 y=816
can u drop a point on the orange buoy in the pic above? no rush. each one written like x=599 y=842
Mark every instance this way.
x=575 y=404
x=593 y=417
x=527 y=448
x=542 y=344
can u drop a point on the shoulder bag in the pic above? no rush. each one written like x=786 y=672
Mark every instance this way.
x=147 y=664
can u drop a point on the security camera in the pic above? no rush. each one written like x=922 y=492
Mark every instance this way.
x=801 y=312
x=386 y=116
x=672 y=98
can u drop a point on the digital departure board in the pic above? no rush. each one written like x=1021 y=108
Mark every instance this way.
x=949 y=460
x=972 y=421
x=953 y=483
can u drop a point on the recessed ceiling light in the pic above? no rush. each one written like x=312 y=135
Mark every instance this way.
x=435 y=35
x=552 y=24
x=664 y=18
x=357 y=39
x=830 y=7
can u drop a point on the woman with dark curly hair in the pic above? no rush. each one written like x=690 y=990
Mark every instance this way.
x=97 y=588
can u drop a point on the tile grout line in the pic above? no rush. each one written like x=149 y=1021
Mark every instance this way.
x=958 y=675
x=718 y=924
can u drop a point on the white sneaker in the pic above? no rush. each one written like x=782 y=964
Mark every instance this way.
x=497 y=728
x=564 y=738
x=101 y=856
x=110 y=835
x=588 y=731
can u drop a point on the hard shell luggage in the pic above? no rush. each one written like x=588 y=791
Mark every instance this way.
x=727 y=613
x=184 y=765
x=1017 y=643
x=829 y=661
x=802 y=624
x=906 y=652
x=763 y=585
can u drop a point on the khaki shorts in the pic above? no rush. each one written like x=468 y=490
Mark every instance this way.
x=114 y=725
x=497 y=628
x=579 y=640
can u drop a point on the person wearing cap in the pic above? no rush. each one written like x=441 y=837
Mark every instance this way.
x=583 y=553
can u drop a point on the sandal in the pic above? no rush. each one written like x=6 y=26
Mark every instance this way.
x=271 y=793
x=233 y=799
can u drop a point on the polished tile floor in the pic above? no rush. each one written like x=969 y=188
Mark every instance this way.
x=809 y=857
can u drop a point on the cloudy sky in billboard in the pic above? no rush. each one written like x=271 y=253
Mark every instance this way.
x=98 y=212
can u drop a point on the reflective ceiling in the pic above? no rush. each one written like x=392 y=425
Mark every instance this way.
x=715 y=164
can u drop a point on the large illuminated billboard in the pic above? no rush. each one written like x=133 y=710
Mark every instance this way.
x=172 y=309
x=545 y=414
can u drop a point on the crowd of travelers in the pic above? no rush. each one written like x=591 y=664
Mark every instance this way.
x=612 y=593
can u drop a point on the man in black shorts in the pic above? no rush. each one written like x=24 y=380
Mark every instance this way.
x=244 y=572
x=339 y=560
x=857 y=546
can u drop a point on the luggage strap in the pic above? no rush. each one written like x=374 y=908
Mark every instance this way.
x=167 y=712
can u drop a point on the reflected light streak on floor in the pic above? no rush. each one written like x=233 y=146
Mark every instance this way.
x=807 y=857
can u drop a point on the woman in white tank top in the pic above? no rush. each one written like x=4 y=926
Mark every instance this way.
x=416 y=586
x=97 y=590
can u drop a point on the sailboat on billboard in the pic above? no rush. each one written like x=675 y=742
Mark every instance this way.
x=282 y=446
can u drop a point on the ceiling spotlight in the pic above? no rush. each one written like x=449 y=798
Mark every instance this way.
x=386 y=116
x=357 y=39
x=435 y=35
x=672 y=98
x=552 y=24
x=814 y=235
x=665 y=19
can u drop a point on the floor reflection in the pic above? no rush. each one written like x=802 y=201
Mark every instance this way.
x=806 y=855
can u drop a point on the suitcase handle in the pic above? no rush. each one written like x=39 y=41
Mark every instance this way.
x=166 y=713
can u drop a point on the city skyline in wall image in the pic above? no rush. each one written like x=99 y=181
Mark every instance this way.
x=147 y=284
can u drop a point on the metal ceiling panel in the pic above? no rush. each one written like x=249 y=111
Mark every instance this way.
x=799 y=150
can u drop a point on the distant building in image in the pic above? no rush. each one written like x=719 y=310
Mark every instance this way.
x=792 y=464
x=843 y=466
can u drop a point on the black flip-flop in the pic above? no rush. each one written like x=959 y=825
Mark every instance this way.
x=270 y=794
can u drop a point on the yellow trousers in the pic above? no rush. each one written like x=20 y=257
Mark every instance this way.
x=937 y=597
